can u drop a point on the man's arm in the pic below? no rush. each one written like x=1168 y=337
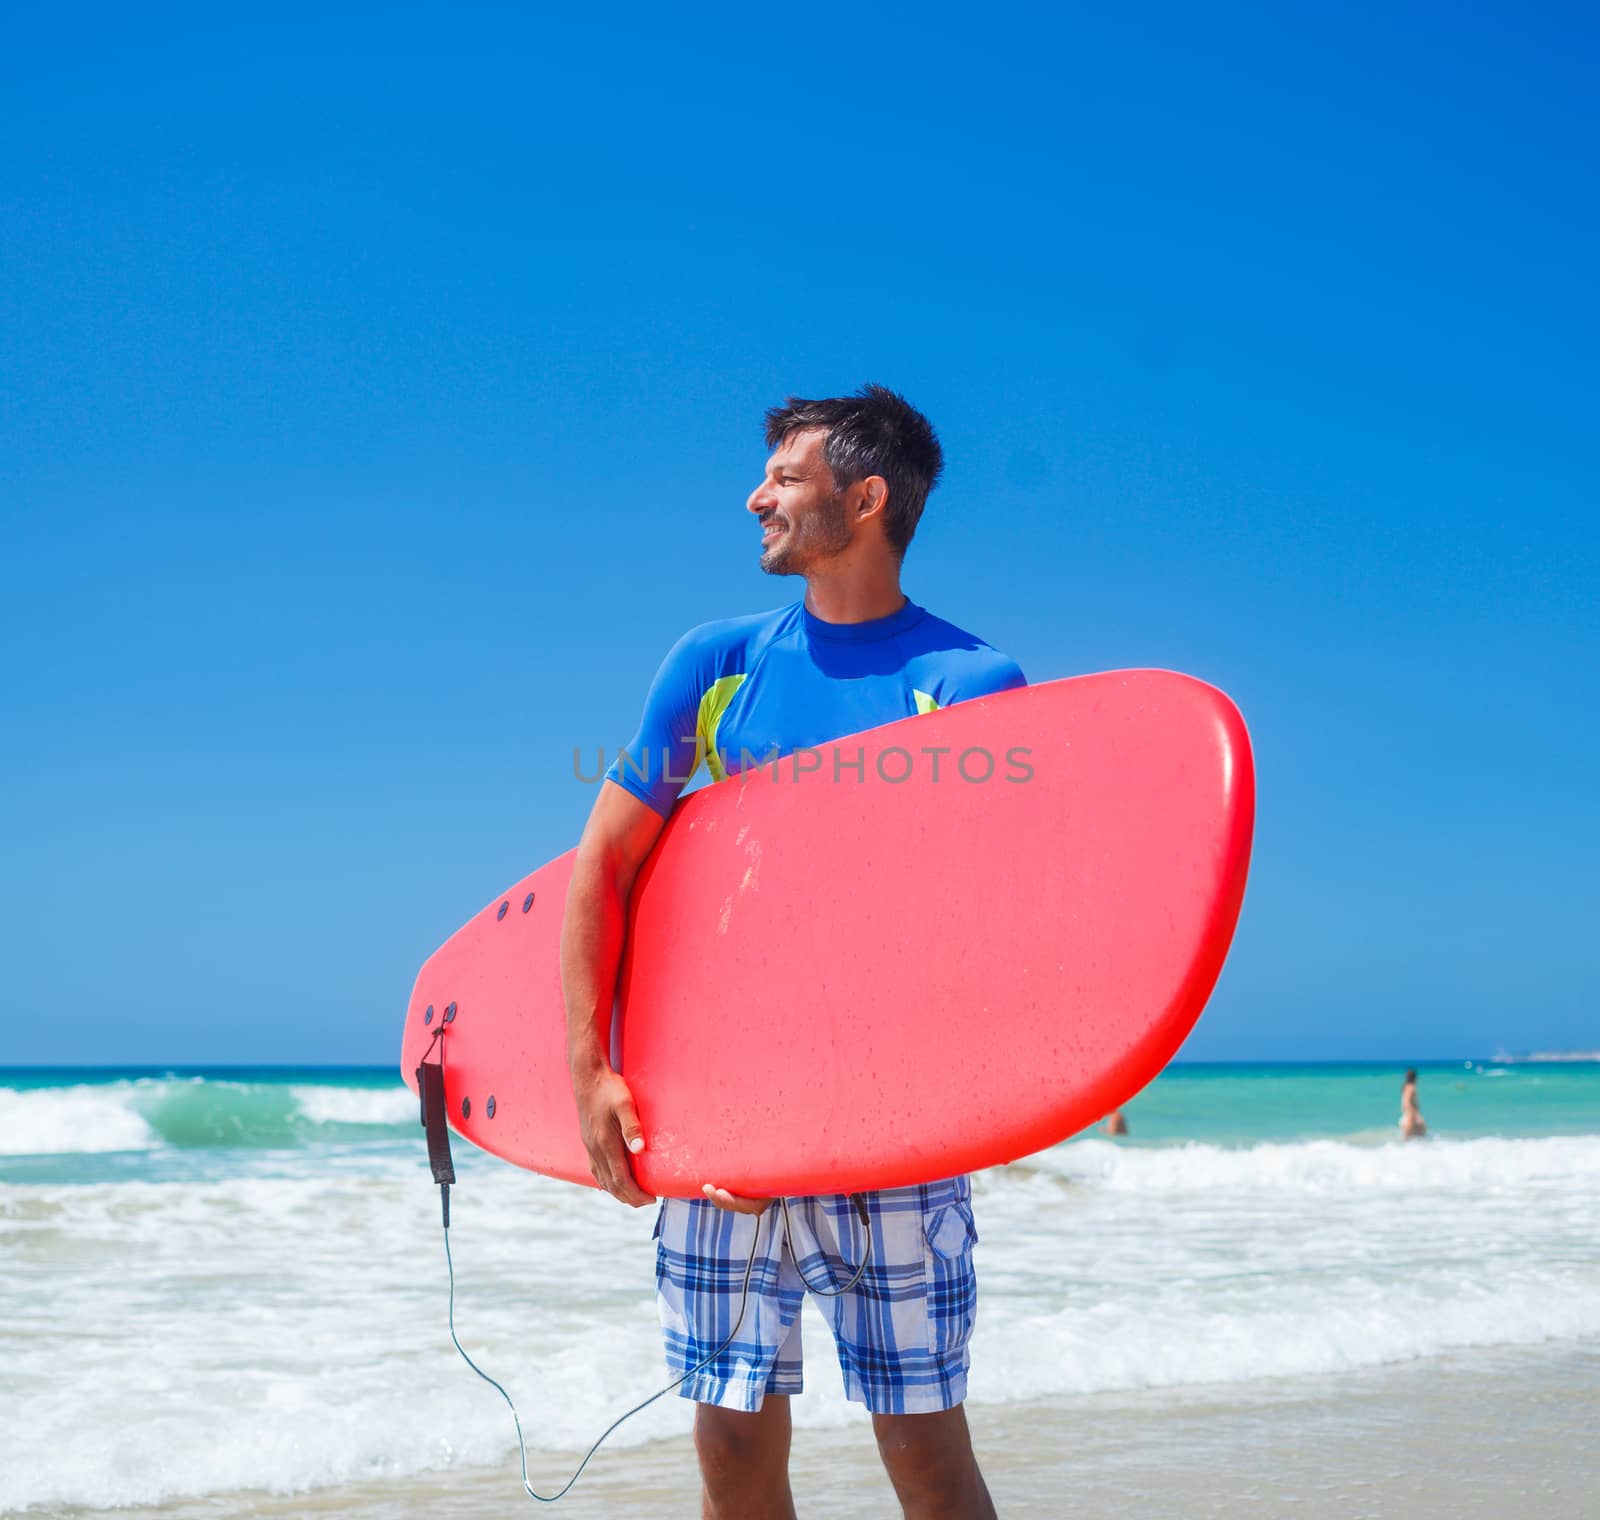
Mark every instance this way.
x=619 y=835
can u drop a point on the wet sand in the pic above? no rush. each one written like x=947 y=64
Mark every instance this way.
x=1491 y=1433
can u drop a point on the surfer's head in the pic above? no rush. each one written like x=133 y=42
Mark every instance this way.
x=840 y=467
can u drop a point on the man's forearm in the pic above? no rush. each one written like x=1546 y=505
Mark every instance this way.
x=592 y=935
x=591 y=951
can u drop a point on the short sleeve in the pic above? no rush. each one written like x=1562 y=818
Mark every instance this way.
x=662 y=757
x=994 y=672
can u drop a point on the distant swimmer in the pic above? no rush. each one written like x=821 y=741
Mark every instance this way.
x=1411 y=1125
x=1115 y=1123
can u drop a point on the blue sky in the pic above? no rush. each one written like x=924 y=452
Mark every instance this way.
x=379 y=396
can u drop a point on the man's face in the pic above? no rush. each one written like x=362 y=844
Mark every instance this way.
x=803 y=519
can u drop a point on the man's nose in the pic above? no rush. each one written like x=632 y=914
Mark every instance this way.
x=761 y=499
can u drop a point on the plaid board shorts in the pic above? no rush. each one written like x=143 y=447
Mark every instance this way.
x=902 y=1332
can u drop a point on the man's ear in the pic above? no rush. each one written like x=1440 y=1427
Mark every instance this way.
x=874 y=493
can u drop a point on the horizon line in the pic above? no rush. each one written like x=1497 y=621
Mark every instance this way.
x=1540 y=1057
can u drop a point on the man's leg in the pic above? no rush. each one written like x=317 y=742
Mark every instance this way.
x=902 y=1324
x=930 y=1462
x=701 y=1260
x=744 y=1461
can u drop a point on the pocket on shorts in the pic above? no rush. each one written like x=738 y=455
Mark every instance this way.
x=951 y=1283
x=951 y=1231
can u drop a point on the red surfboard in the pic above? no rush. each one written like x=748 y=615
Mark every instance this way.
x=933 y=947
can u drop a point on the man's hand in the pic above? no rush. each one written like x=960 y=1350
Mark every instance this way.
x=735 y=1204
x=610 y=1129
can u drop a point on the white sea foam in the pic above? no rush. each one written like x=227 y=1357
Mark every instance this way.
x=1172 y=1340
x=356 y=1105
x=1324 y=1166
x=62 y=1120
x=155 y=1112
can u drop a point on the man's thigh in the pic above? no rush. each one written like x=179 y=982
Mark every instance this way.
x=903 y=1330
x=709 y=1287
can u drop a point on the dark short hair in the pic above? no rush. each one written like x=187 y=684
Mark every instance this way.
x=1411 y=1076
x=874 y=432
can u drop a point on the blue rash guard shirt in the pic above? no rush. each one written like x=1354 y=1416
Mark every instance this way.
x=743 y=691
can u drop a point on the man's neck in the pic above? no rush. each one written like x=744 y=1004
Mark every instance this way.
x=855 y=596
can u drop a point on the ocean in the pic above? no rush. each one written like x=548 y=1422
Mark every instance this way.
x=229 y=1284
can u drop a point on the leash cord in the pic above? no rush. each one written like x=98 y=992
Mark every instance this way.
x=705 y=1361
x=866 y=1256
x=522 y=1445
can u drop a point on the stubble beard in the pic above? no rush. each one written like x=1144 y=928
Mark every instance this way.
x=819 y=535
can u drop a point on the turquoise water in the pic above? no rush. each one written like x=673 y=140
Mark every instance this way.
x=105 y=1123
x=1232 y=1104
x=1247 y=1104
x=68 y=1124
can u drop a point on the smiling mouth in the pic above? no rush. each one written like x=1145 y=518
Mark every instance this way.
x=770 y=530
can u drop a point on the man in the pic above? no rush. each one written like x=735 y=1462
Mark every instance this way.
x=843 y=491
x=1411 y=1125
